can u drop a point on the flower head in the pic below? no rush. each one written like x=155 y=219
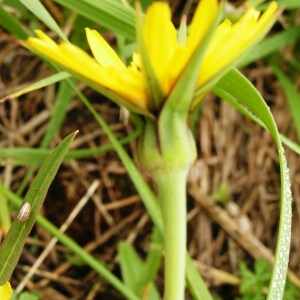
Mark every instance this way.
x=167 y=56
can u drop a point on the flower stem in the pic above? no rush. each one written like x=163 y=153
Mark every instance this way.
x=172 y=195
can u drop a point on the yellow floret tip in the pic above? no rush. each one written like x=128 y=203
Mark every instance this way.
x=5 y=291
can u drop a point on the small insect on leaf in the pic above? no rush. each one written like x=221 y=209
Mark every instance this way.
x=24 y=212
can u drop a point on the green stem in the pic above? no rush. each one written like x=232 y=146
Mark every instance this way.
x=172 y=195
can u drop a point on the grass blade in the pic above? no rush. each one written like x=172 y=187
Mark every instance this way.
x=113 y=15
x=63 y=98
x=242 y=109
x=131 y=266
x=12 y=25
x=5 y=221
x=137 y=274
x=37 y=8
x=286 y=4
x=11 y=248
x=292 y=96
x=39 y=84
x=235 y=85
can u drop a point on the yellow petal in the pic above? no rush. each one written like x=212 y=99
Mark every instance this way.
x=136 y=61
x=70 y=57
x=175 y=68
x=44 y=37
x=102 y=51
x=231 y=41
x=47 y=47
x=124 y=82
x=267 y=16
x=81 y=63
x=127 y=83
x=160 y=37
x=204 y=16
x=5 y=291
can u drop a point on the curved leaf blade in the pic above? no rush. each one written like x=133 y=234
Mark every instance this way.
x=11 y=248
x=113 y=15
x=38 y=9
x=235 y=85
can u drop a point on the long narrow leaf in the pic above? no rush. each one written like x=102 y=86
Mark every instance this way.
x=242 y=109
x=112 y=15
x=12 y=25
x=137 y=274
x=131 y=266
x=234 y=84
x=154 y=256
x=12 y=246
x=62 y=101
x=292 y=96
x=37 y=8
x=40 y=84
x=195 y=283
x=5 y=221
x=286 y=4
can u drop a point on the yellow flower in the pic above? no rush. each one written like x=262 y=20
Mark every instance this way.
x=107 y=73
x=5 y=291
